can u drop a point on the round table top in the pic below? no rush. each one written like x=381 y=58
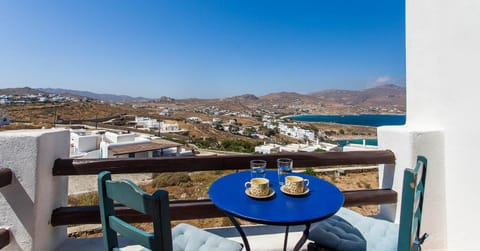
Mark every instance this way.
x=323 y=200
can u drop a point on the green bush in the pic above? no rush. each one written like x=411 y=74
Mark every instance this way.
x=207 y=142
x=226 y=145
x=171 y=179
x=310 y=171
x=238 y=146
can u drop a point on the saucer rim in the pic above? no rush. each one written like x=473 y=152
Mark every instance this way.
x=294 y=194
x=270 y=194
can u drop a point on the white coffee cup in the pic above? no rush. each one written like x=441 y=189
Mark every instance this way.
x=295 y=184
x=258 y=186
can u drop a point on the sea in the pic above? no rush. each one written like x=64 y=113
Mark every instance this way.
x=374 y=120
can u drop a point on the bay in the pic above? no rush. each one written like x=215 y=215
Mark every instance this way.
x=374 y=120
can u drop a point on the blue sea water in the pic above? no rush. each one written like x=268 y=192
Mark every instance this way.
x=363 y=119
x=370 y=142
x=374 y=120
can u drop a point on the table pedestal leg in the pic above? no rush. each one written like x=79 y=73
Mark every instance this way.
x=286 y=238
x=240 y=231
x=304 y=237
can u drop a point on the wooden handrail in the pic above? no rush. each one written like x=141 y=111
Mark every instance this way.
x=207 y=163
x=369 y=197
x=199 y=209
x=4 y=237
x=5 y=176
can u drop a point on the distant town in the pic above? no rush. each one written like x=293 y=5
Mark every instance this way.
x=169 y=127
x=39 y=98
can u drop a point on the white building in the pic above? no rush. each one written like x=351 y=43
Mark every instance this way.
x=130 y=145
x=169 y=127
x=5 y=101
x=165 y=112
x=267 y=148
x=296 y=132
x=146 y=122
x=150 y=123
x=194 y=119
x=276 y=148
x=83 y=141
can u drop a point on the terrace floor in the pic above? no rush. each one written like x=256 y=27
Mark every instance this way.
x=260 y=237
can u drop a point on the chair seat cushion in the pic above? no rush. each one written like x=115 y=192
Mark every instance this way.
x=189 y=238
x=348 y=230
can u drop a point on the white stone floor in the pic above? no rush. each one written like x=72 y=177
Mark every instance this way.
x=260 y=238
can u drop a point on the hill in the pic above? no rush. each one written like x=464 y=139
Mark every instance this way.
x=20 y=91
x=104 y=97
x=381 y=99
x=384 y=95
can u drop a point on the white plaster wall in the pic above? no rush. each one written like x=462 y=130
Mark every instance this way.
x=87 y=143
x=407 y=143
x=27 y=204
x=125 y=138
x=119 y=138
x=443 y=54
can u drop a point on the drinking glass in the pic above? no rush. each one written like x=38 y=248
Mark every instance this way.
x=257 y=168
x=285 y=167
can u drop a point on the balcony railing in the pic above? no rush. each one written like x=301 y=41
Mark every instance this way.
x=200 y=209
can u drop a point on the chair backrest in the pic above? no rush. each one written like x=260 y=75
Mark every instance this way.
x=132 y=196
x=412 y=204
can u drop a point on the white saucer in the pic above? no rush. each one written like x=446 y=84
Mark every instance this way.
x=282 y=188
x=270 y=194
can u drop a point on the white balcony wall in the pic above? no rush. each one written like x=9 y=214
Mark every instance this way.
x=443 y=53
x=27 y=204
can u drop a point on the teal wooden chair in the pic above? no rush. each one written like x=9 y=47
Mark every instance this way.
x=348 y=230
x=163 y=238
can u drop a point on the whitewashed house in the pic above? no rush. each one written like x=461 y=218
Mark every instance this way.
x=267 y=148
x=146 y=122
x=194 y=119
x=83 y=141
x=169 y=127
x=296 y=132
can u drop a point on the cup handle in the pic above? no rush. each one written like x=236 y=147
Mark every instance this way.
x=248 y=184
x=306 y=181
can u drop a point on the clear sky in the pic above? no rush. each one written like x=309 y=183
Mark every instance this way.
x=205 y=49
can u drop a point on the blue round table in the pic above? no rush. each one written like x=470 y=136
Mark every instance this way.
x=323 y=200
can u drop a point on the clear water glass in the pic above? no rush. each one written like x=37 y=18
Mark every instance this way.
x=285 y=167
x=258 y=168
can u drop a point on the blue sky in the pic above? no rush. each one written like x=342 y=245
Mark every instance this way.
x=205 y=49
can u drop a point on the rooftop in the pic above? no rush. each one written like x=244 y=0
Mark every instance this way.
x=156 y=144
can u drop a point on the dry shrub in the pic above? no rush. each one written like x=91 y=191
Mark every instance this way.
x=171 y=179
x=85 y=199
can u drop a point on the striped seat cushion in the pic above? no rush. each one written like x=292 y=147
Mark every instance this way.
x=348 y=230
